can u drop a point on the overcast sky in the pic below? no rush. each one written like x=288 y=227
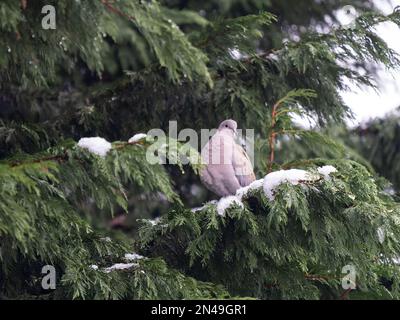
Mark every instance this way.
x=366 y=103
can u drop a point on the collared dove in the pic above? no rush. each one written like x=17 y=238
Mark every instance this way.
x=227 y=165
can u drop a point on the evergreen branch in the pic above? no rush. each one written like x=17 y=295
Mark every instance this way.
x=261 y=55
x=316 y=277
x=57 y=158
x=56 y=197
x=292 y=99
x=303 y=220
x=64 y=157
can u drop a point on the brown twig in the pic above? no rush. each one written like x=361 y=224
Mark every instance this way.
x=64 y=157
x=125 y=144
x=58 y=158
x=313 y=277
x=345 y=294
x=115 y=10
x=317 y=277
x=272 y=137
x=263 y=54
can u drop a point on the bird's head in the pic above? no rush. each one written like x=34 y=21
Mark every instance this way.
x=229 y=124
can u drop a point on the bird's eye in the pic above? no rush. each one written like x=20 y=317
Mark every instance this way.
x=226 y=125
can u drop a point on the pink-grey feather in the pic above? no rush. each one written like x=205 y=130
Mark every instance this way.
x=227 y=165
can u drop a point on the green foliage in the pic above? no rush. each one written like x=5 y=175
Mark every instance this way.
x=112 y=68
x=27 y=62
x=315 y=62
x=285 y=248
x=282 y=124
x=148 y=279
x=47 y=191
x=377 y=141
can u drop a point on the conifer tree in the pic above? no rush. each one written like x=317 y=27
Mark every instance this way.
x=71 y=96
x=377 y=142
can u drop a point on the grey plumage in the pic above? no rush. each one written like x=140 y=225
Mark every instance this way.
x=227 y=165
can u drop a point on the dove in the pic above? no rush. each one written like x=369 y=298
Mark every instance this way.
x=227 y=167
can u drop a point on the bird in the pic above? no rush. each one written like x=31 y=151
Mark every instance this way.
x=226 y=165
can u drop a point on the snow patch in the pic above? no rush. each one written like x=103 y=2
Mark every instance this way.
x=137 y=137
x=96 y=145
x=270 y=182
x=390 y=191
x=133 y=256
x=120 y=266
x=241 y=192
x=326 y=171
x=154 y=222
x=381 y=234
x=236 y=54
x=197 y=209
x=293 y=176
x=225 y=202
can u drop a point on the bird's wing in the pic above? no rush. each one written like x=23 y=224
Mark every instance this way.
x=242 y=166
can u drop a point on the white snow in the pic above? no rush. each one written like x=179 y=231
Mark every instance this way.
x=390 y=191
x=96 y=145
x=293 y=176
x=120 y=266
x=241 y=192
x=197 y=209
x=154 y=222
x=236 y=54
x=326 y=171
x=137 y=137
x=381 y=234
x=225 y=202
x=270 y=182
x=133 y=256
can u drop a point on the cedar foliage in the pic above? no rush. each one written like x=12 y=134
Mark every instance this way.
x=116 y=68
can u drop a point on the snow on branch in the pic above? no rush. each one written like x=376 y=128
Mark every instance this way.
x=95 y=145
x=269 y=184
x=129 y=257
x=226 y=202
x=137 y=137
